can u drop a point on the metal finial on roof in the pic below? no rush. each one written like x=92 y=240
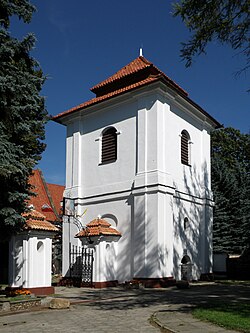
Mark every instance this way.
x=141 y=53
x=99 y=216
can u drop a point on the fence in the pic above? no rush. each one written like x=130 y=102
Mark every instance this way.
x=81 y=264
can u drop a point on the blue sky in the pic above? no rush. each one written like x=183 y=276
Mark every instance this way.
x=80 y=43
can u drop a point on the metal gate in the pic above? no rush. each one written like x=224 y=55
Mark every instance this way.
x=81 y=264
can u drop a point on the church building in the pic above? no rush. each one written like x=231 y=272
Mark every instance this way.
x=138 y=175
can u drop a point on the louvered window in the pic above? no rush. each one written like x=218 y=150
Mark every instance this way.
x=185 y=139
x=109 y=145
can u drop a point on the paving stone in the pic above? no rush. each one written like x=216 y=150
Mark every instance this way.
x=121 y=312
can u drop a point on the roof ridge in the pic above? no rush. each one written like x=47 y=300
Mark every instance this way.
x=131 y=68
x=136 y=74
x=34 y=214
x=98 y=227
x=145 y=60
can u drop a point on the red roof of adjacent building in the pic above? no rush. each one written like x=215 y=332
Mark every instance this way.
x=98 y=227
x=47 y=200
x=56 y=193
x=138 y=73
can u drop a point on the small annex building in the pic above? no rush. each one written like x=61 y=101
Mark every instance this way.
x=48 y=202
x=31 y=251
x=138 y=161
x=31 y=255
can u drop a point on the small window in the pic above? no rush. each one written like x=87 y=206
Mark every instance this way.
x=109 y=145
x=185 y=154
x=40 y=246
x=186 y=223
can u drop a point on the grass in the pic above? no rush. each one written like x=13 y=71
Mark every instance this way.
x=234 y=282
x=234 y=315
x=16 y=298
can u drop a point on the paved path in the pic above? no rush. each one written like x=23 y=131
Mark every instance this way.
x=119 y=310
x=87 y=318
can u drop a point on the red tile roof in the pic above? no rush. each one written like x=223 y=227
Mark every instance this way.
x=136 y=74
x=36 y=221
x=56 y=192
x=48 y=196
x=106 y=97
x=133 y=67
x=98 y=227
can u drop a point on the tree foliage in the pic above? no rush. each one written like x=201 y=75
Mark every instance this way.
x=22 y=116
x=22 y=8
x=231 y=187
x=226 y=21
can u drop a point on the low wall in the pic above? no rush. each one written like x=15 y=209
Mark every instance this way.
x=19 y=305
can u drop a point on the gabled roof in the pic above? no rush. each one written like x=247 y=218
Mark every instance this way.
x=138 y=73
x=98 y=227
x=48 y=197
x=37 y=221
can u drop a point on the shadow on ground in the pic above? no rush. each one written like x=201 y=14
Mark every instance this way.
x=118 y=298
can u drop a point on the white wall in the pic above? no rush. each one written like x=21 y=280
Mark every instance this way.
x=30 y=260
x=149 y=127
x=147 y=190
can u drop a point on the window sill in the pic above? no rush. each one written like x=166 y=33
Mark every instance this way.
x=189 y=165
x=108 y=162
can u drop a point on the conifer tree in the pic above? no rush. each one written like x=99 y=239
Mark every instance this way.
x=231 y=187
x=22 y=116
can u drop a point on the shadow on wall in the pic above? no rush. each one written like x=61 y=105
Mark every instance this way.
x=190 y=223
x=17 y=278
x=4 y=262
x=110 y=261
x=139 y=255
x=112 y=219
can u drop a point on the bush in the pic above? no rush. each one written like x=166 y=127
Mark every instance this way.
x=12 y=292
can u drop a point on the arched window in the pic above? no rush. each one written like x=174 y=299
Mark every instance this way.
x=109 y=145
x=186 y=223
x=185 y=153
x=186 y=260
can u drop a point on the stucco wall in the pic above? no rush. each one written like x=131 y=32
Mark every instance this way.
x=30 y=260
x=147 y=192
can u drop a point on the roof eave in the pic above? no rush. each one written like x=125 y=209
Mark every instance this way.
x=58 y=118
x=161 y=77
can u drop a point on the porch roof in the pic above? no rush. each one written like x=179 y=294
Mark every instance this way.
x=98 y=227
x=37 y=221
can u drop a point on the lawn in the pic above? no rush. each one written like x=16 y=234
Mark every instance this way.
x=234 y=315
x=234 y=282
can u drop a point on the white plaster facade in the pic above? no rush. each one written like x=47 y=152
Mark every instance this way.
x=147 y=192
x=30 y=259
